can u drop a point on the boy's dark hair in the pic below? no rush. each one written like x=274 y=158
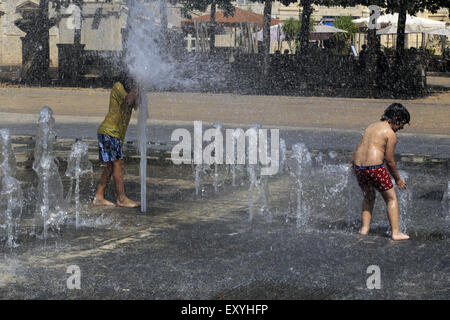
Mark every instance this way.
x=396 y=113
x=125 y=79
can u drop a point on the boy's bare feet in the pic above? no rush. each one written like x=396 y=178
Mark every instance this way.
x=399 y=236
x=364 y=231
x=102 y=202
x=127 y=203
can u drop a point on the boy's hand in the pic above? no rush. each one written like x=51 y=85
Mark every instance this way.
x=130 y=99
x=352 y=165
x=400 y=183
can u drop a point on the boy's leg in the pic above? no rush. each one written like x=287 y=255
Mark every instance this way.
x=367 y=208
x=122 y=199
x=104 y=180
x=390 y=197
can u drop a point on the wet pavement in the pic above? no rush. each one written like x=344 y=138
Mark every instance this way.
x=188 y=247
x=334 y=123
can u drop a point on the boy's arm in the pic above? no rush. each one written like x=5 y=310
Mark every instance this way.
x=390 y=162
x=131 y=98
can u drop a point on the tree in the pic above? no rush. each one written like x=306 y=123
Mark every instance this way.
x=266 y=29
x=343 y=40
x=37 y=29
x=307 y=10
x=402 y=7
x=36 y=59
x=304 y=29
x=291 y=30
x=266 y=39
x=201 y=5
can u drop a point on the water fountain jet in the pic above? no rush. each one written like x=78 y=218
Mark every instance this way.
x=404 y=203
x=11 y=197
x=300 y=167
x=78 y=165
x=49 y=211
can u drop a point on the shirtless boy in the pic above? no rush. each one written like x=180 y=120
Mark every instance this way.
x=376 y=147
x=111 y=135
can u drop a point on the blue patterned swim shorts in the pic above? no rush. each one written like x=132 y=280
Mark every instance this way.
x=109 y=148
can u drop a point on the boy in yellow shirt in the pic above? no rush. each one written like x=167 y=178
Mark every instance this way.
x=111 y=136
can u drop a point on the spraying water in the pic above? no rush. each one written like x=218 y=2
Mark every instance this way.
x=49 y=211
x=218 y=127
x=150 y=66
x=300 y=167
x=198 y=181
x=404 y=203
x=354 y=196
x=253 y=178
x=319 y=159
x=11 y=197
x=78 y=164
x=236 y=163
x=142 y=142
x=282 y=155
x=7 y=158
x=253 y=168
x=199 y=168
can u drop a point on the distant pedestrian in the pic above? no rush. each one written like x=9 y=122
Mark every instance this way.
x=363 y=57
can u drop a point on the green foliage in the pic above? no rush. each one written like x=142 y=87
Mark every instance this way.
x=291 y=29
x=395 y=5
x=286 y=2
x=344 y=40
x=201 y=5
x=402 y=7
x=431 y=51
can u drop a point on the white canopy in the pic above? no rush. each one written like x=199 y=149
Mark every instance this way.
x=393 y=30
x=323 y=28
x=441 y=32
x=413 y=24
x=277 y=34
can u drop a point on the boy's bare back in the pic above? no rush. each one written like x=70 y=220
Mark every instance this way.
x=378 y=139
x=375 y=149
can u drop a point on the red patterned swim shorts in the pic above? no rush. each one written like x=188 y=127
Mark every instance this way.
x=375 y=176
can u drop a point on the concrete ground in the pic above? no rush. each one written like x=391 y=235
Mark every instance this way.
x=187 y=247
x=325 y=122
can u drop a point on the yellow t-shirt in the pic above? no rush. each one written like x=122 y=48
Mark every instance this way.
x=119 y=114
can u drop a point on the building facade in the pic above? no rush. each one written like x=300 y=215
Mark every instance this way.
x=101 y=27
x=103 y=23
